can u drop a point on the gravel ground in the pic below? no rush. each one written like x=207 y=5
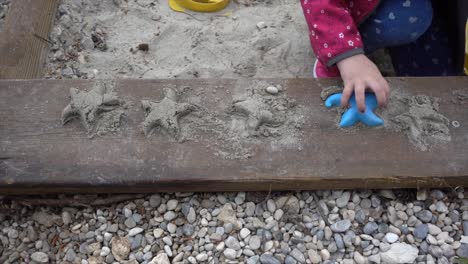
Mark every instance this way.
x=401 y=226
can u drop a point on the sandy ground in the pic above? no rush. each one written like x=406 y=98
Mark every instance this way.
x=99 y=39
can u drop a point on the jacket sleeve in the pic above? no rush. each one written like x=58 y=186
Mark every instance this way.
x=333 y=33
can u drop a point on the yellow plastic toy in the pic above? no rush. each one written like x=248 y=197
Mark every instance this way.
x=198 y=5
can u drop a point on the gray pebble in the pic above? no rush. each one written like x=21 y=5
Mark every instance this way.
x=70 y=255
x=320 y=234
x=425 y=216
x=343 y=200
x=232 y=242
x=39 y=257
x=421 y=231
x=169 y=216
x=366 y=203
x=341 y=226
x=290 y=260
x=383 y=228
x=435 y=251
x=130 y=222
x=269 y=259
x=253 y=260
x=360 y=216
x=339 y=241
x=134 y=231
x=136 y=242
x=255 y=242
x=110 y=259
x=462 y=251
x=370 y=228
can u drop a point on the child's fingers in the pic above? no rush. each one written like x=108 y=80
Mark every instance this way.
x=387 y=89
x=347 y=92
x=379 y=89
x=359 y=92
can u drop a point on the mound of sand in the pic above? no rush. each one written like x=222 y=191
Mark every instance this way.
x=99 y=39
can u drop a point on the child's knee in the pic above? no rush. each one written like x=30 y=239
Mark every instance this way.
x=399 y=22
x=422 y=24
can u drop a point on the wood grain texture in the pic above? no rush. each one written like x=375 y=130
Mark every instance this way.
x=40 y=155
x=24 y=38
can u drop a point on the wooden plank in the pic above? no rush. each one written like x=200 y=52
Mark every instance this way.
x=39 y=155
x=24 y=38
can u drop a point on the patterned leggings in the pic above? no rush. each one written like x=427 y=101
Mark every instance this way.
x=415 y=36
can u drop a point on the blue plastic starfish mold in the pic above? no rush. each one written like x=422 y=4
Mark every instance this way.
x=352 y=115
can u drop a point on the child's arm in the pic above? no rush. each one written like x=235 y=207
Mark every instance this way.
x=336 y=40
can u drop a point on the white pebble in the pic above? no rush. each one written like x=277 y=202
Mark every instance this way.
x=272 y=90
x=244 y=233
x=391 y=237
x=261 y=25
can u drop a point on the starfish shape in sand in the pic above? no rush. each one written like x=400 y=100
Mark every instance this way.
x=352 y=115
x=88 y=105
x=256 y=111
x=165 y=113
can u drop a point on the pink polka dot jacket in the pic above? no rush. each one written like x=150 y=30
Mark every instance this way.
x=333 y=27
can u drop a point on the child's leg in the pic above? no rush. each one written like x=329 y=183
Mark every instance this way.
x=396 y=22
x=430 y=55
x=433 y=54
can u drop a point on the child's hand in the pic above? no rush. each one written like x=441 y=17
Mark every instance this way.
x=359 y=73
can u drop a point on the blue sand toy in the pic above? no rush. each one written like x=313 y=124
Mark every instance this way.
x=352 y=115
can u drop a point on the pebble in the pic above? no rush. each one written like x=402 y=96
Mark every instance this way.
x=105 y=251
x=66 y=218
x=297 y=255
x=171 y=228
x=169 y=216
x=314 y=257
x=391 y=237
x=244 y=233
x=341 y=226
x=462 y=251
x=158 y=232
x=130 y=222
x=343 y=200
x=421 y=195
x=425 y=216
x=254 y=242
x=172 y=205
x=290 y=260
x=271 y=206
x=202 y=257
x=400 y=253
x=70 y=255
x=370 y=228
x=135 y=231
x=161 y=258
x=232 y=242
x=230 y=253
x=261 y=25
x=435 y=251
x=324 y=254
x=268 y=259
x=191 y=216
x=434 y=230
x=40 y=257
x=339 y=241
x=359 y=258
